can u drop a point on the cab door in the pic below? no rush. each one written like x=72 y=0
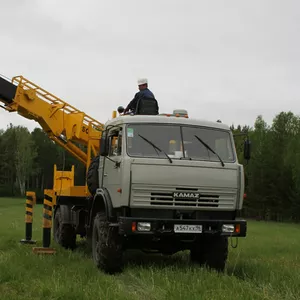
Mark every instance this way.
x=112 y=165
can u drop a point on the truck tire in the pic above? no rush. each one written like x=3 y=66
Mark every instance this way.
x=64 y=234
x=106 y=246
x=92 y=178
x=212 y=252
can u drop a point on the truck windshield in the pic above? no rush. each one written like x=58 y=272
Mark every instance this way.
x=179 y=142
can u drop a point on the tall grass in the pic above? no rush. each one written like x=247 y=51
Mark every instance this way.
x=265 y=265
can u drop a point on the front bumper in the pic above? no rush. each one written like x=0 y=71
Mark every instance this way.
x=165 y=227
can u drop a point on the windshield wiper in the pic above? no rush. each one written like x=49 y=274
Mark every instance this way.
x=210 y=149
x=155 y=147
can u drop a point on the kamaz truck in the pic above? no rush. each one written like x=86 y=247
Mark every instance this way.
x=166 y=183
x=160 y=183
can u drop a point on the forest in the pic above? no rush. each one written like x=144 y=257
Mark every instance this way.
x=272 y=175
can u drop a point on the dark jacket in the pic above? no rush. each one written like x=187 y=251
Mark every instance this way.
x=146 y=93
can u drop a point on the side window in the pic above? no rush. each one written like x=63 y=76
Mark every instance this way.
x=115 y=143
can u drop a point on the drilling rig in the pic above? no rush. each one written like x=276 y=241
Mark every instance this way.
x=68 y=127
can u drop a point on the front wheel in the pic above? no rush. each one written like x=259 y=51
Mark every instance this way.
x=107 y=246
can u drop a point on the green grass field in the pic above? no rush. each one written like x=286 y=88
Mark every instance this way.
x=266 y=265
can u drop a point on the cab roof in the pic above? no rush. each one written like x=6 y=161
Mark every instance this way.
x=163 y=119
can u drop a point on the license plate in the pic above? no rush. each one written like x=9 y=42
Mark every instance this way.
x=188 y=228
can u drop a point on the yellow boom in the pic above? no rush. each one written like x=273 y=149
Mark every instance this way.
x=70 y=128
x=63 y=123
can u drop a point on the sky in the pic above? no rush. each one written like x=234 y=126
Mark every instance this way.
x=228 y=60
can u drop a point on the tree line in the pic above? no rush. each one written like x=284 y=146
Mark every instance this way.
x=272 y=176
x=27 y=162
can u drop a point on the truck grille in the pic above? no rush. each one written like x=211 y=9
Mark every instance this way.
x=222 y=198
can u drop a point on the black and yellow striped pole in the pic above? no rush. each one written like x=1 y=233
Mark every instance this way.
x=47 y=224
x=47 y=220
x=30 y=202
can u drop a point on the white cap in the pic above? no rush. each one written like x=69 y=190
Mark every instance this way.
x=142 y=81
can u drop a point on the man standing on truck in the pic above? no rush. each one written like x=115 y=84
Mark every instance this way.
x=143 y=93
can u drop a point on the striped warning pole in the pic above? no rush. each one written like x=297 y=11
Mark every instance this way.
x=47 y=224
x=30 y=201
x=47 y=221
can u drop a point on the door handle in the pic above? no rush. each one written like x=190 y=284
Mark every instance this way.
x=105 y=174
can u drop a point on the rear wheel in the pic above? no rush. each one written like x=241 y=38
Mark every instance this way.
x=64 y=234
x=106 y=246
x=197 y=254
x=212 y=252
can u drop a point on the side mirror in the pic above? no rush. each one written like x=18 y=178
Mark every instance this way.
x=104 y=144
x=247 y=149
x=121 y=109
